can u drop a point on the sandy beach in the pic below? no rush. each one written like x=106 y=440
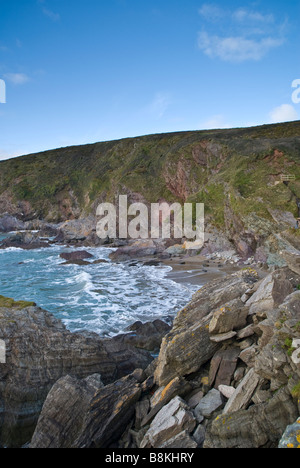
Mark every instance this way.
x=198 y=270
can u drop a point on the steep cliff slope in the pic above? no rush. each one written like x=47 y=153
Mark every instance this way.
x=237 y=173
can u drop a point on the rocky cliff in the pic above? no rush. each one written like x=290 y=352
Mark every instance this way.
x=40 y=351
x=239 y=174
x=227 y=374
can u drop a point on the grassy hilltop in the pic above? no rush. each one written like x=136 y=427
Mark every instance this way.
x=234 y=172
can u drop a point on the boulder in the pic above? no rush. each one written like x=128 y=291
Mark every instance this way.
x=223 y=366
x=175 y=250
x=226 y=391
x=76 y=255
x=110 y=411
x=241 y=398
x=177 y=387
x=291 y=436
x=209 y=404
x=231 y=316
x=173 y=419
x=77 y=230
x=147 y=335
x=261 y=426
x=271 y=292
x=26 y=240
x=64 y=411
x=9 y=223
x=137 y=249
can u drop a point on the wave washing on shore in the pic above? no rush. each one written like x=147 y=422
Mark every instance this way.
x=104 y=298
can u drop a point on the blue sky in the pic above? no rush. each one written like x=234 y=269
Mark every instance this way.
x=83 y=71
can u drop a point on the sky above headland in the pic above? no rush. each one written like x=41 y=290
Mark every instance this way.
x=83 y=71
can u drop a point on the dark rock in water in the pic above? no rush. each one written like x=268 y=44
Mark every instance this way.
x=98 y=262
x=135 y=250
x=152 y=263
x=147 y=335
x=39 y=351
x=76 y=255
x=10 y=223
x=77 y=262
x=24 y=240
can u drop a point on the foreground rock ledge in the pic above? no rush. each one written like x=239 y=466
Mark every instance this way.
x=39 y=351
x=238 y=385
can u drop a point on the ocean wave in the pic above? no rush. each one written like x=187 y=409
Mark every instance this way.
x=11 y=249
x=105 y=298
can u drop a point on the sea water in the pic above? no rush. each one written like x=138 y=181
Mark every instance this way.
x=104 y=298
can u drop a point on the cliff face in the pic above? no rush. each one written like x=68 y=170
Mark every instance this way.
x=233 y=170
x=236 y=173
x=40 y=351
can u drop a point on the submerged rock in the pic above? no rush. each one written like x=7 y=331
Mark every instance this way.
x=76 y=255
x=26 y=240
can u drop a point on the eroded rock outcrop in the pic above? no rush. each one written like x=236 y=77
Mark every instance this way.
x=64 y=411
x=225 y=377
x=189 y=346
x=39 y=351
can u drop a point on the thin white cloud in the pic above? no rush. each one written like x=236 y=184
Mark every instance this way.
x=237 y=48
x=159 y=105
x=17 y=78
x=215 y=122
x=251 y=36
x=48 y=12
x=245 y=15
x=211 y=12
x=283 y=113
x=51 y=14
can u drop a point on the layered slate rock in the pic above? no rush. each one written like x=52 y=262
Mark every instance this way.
x=147 y=335
x=64 y=411
x=109 y=413
x=260 y=426
x=189 y=345
x=172 y=420
x=271 y=292
x=39 y=351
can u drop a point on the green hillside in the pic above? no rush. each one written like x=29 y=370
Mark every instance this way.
x=233 y=171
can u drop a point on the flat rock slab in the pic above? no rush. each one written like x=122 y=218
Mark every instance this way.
x=172 y=419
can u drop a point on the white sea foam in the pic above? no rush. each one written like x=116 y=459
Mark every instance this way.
x=104 y=298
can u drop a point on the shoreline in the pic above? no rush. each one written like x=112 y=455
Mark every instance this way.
x=198 y=270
